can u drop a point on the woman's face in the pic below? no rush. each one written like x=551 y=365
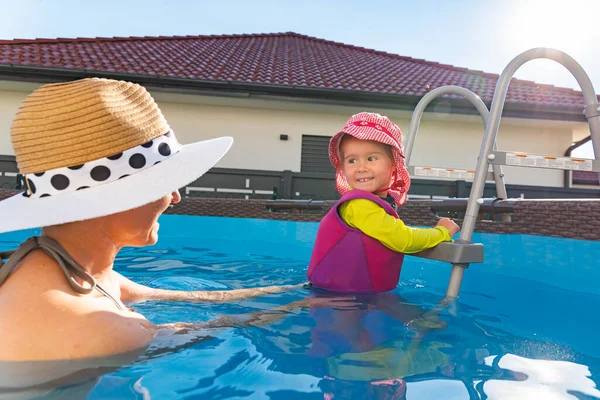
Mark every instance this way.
x=139 y=226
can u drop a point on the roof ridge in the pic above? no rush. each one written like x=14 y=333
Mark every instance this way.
x=275 y=34
x=136 y=38
x=434 y=63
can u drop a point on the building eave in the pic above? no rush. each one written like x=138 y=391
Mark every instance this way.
x=37 y=74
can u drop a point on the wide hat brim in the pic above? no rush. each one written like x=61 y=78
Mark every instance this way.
x=185 y=166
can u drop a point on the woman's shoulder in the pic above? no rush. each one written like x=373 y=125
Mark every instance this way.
x=85 y=326
x=38 y=307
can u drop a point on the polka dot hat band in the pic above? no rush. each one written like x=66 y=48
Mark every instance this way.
x=95 y=147
x=98 y=172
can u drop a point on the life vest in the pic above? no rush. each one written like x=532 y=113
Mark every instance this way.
x=346 y=260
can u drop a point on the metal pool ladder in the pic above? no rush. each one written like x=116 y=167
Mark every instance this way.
x=463 y=251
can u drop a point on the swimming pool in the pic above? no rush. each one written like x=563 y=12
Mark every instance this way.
x=525 y=323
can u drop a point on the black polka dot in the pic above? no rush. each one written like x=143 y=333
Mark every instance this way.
x=124 y=176
x=158 y=162
x=148 y=144
x=137 y=161
x=83 y=187
x=100 y=173
x=75 y=167
x=31 y=186
x=39 y=174
x=115 y=156
x=59 y=182
x=45 y=195
x=164 y=149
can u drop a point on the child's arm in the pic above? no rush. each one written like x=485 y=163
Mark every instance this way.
x=373 y=221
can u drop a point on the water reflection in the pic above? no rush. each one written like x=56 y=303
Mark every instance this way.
x=382 y=347
x=323 y=345
x=40 y=379
x=359 y=346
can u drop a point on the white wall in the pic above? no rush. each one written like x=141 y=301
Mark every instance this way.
x=256 y=132
x=444 y=140
x=456 y=145
x=9 y=104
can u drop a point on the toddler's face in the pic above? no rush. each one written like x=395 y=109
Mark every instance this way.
x=368 y=165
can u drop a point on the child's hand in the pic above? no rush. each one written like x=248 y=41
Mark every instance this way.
x=449 y=224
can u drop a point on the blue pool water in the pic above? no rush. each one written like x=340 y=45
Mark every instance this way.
x=525 y=326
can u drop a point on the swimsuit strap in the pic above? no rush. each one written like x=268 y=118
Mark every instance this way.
x=69 y=267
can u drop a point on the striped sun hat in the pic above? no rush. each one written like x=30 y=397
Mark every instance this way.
x=372 y=126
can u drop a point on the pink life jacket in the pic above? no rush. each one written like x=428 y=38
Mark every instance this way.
x=346 y=260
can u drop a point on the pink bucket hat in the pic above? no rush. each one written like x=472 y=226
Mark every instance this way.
x=372 y=126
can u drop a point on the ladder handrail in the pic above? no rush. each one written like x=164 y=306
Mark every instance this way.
x=476 y=102
x=591 y=111
x=428 y=98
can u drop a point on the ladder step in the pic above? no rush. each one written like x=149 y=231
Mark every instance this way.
x=518 y=159
x=445 y=173
x=454 y=252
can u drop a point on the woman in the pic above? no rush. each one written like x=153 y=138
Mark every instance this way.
x=100 y=165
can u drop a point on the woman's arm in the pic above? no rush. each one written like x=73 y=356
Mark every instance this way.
x=134 y=292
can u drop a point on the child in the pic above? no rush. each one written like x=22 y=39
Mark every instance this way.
x=361 y=242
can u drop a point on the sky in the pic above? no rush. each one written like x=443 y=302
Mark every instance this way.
x=476 y=34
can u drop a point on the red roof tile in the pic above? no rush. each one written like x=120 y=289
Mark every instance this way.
x=280 y=59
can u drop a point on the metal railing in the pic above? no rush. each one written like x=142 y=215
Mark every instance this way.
x=488 y=155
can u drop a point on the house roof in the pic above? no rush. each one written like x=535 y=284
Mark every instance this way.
x=284 y=59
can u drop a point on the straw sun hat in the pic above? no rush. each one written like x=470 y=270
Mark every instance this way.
x=96 y=147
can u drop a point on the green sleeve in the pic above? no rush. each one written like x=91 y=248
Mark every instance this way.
x=371 y=219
